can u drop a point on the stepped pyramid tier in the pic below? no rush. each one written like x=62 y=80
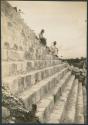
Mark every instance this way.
x=34 y=77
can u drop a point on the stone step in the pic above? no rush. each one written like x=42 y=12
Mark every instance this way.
x=70 y=109
x=38 y=91
x=12 y=54
x=56 y=114
x=21 y=82
x=11 y=68
x=85 y=103
x=46 y=105
x=58 y=90
x=79 y=107
x=44 y=108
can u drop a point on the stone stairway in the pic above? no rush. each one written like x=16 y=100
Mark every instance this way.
x=70 y=108
x=38 y=90
x=79 y=110
x=60 y=105
x=55 y=96
x=36 y=76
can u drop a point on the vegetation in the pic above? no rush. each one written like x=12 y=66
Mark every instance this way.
x=17 y=108
x=76 y=62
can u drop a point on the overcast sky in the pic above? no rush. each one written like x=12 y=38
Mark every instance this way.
x=64 y=22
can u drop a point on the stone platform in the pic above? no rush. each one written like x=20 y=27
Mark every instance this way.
x=36 y=76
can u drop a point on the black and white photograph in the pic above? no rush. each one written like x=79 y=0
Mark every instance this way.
x=44 y=62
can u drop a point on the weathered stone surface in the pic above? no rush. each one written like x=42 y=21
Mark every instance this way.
x=79 y=112
x=27 y=81
x=34 y=75
x=5 y=54
x=21 y=84
x=6 y=69
x=71 y=103
x=5 y=113
x=44 y=108
x=59 y=107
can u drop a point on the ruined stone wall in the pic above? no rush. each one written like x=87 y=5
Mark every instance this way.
x=21 y=50
x=33 y=76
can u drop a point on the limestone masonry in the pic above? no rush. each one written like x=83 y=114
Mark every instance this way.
x=36 y=76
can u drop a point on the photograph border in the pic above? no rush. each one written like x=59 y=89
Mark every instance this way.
x=1 y=61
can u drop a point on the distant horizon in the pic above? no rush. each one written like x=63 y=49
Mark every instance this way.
x=76 y=58
x=64 y=22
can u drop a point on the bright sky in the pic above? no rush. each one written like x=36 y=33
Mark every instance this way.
x=64 y=22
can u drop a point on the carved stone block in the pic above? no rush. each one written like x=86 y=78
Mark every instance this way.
x=14 y=86
x=5 y=69
x=33 y=80
x=36 y=77
x=13 y=69
x=29 y=66
x=38 y=96
x=21 y=84
x=42 y=74
x=4 y=54
x=27 y=81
